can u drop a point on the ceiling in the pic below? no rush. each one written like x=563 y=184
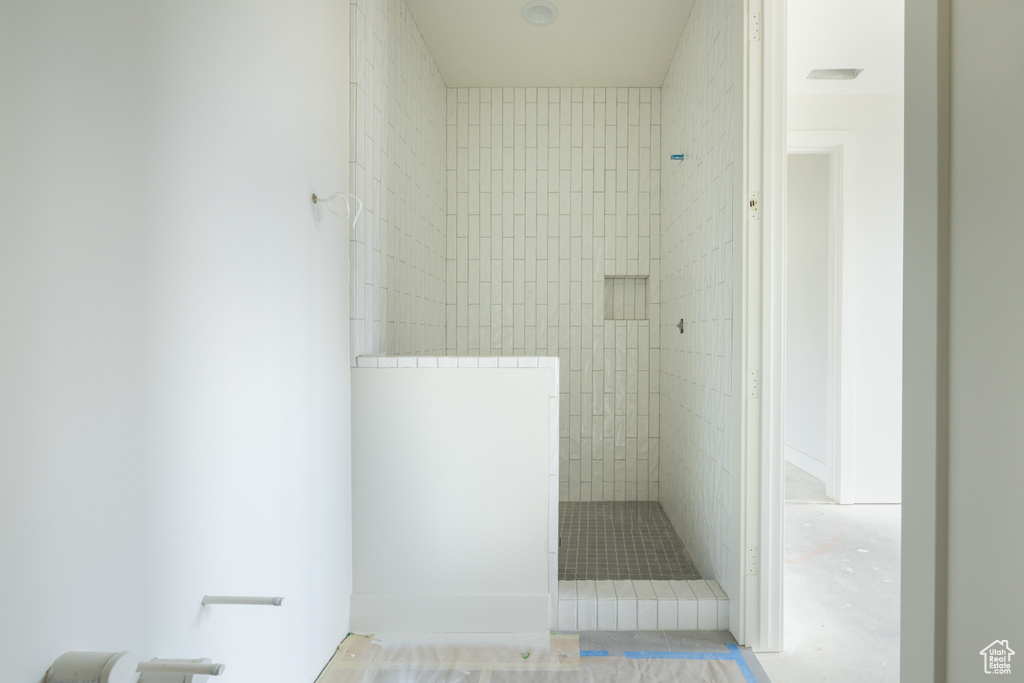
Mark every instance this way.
x=839 y=34
x=593 y=43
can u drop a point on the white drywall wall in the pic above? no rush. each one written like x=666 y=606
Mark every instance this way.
x=451 y=515
x=173 y=382
x=872 y=281
x=986 y=326
x=807 y=228
x=964 y=373
x=924 y=551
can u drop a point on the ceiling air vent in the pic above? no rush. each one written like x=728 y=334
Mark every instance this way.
x=833 y=74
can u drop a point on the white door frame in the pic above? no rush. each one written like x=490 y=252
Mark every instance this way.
x=923 y=615
x=839 y=146
x=760 y=261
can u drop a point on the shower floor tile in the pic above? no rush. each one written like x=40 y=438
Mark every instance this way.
x=618 y=541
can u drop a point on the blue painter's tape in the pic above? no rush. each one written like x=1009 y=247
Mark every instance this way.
x=733 y=655
x=593 y=653
x=742 y=663
x=678 y=655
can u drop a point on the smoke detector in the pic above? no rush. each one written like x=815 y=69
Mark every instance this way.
x=540 y=13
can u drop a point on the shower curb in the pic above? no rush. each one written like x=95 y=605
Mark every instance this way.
x=633 y=605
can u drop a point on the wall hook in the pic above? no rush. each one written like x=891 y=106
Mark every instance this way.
x=680 y=325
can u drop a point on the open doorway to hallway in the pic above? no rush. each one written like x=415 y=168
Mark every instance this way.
x=841 y=590
x=839 y=414
x=813 y=316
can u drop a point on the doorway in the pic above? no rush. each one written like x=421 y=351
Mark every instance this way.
x=841 y=590
x=810 y=377
x=783 y=102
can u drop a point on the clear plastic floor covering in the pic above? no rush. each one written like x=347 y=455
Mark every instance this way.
x=554 y=659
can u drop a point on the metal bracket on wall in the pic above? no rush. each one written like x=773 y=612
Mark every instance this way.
x=754 y=203
x=680 y=325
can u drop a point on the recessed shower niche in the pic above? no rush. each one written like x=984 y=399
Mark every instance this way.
x=625 y=297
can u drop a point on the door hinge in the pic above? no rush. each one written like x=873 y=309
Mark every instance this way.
x=754 y=384
x=755 y=26
x=752 y=560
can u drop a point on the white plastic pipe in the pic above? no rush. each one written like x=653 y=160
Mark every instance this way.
x=93 y=667
x=177 y=666
x=240 y=600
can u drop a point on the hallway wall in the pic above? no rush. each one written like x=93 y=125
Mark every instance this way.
x=808 y=207
x=550 y=191
x=398 y=170
x=872 y=282
x=700 y=107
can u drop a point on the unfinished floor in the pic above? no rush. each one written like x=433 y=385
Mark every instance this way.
x=842 y=589
x=584 y=657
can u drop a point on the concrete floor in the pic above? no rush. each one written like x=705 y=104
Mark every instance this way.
x=842 y=594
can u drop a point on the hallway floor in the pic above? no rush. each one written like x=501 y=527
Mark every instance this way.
x=842 y=594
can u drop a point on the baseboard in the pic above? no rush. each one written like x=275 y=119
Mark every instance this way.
x=877 y=492
x=813 y=467
x=373 y=613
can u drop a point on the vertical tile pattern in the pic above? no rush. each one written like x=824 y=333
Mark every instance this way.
x=550 y=190
x=626 y=613
x=632 y=605
x=606 y=606
x=399 y=111
x=698 y=198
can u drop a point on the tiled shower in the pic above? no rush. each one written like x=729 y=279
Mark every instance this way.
x=551 y=222
x=553 y=195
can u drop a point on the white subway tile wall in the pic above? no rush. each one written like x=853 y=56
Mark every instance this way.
x=698 y=197
x=398 y=171
x=550 y=190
